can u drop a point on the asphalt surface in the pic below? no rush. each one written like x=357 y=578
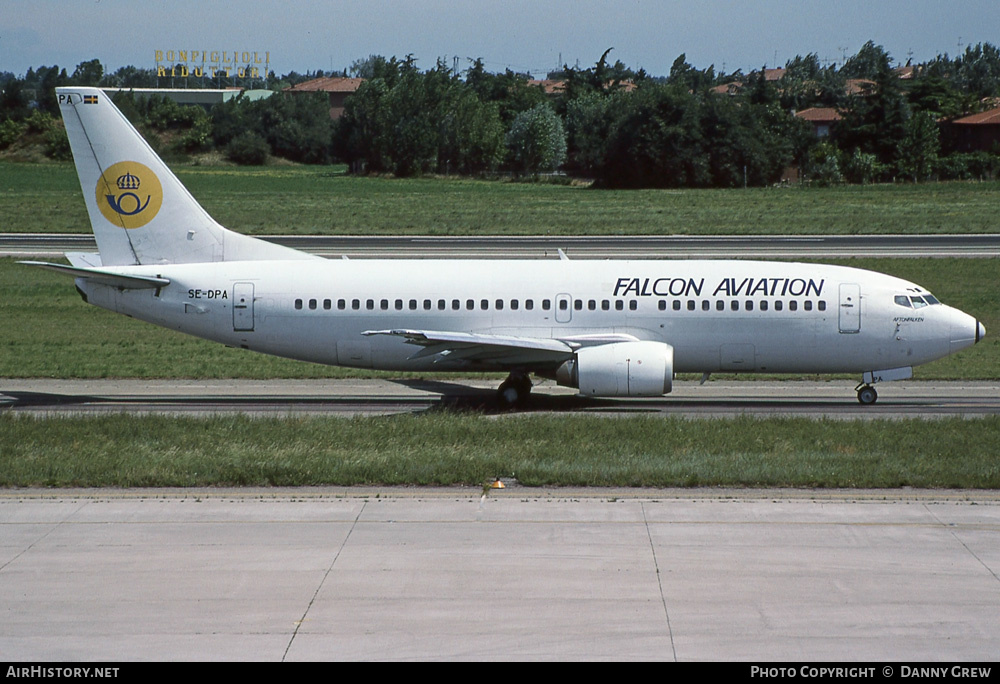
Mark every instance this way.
x=24 y=245
x=515 y=574
x=832 y=399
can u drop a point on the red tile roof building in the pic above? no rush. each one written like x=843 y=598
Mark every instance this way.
x=977 y=131
x=338 y=89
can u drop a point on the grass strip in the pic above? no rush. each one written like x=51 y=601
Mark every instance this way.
x=440 y=448
x=310 y=200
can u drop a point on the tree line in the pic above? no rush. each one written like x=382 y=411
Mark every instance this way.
x=618 y=126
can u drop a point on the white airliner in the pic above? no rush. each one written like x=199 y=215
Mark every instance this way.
x=609 y=328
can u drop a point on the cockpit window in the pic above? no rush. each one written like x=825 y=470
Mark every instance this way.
x=915 y=302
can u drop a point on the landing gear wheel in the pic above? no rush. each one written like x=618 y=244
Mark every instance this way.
x=514 y=390
x=867 y=395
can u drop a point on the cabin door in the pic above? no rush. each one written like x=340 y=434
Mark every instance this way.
x=850 y=308
x=242 y=306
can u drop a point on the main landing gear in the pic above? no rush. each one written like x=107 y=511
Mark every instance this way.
x=866 y=394
x=514 y=390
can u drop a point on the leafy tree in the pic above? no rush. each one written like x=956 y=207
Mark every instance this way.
x=656 y=141
x=937 y=96
x=358 y=138
x=862 y=168
x=588 y=124
x=870 y=61
x=472 y=135
x=803 y=68
x=537 y=141
x=14 y=101
x=874 y=121
x=686 y=76
x=509 y=91
x=248 y=149
x=130 y=77
x=88 y=73
x=919 y=148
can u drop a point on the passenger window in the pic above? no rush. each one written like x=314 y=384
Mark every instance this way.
x=413 y=305
x=427 y=305
x=470 y=304
x=763 y=305
x=341 y=304
x=399 y=305
x=529 y=304
x=355 y=304
x=663 y=305
x=690 y=305
x=822 y=305
x=793 y=305
x=384 y=304
x=499 y=304
x=578 y=304
x=514 y=304
x=778 y=305
x=619 y=305
x=441 y=305
x=734 y=305
x=592 y=305
x=456 y=305
x=312 y=303
x=720 y=305
x=484 y=304
x=370 y=304
x=546 y=304
x=677 y=305
x=606 y=305
x=749 y=305
x=298 y=303
x=808 y=305
x=563 y=305
x=327 y=304
x=633 y=305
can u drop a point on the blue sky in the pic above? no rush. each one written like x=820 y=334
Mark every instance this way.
x=524 y=36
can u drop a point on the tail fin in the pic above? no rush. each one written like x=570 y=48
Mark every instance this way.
x=139 y=210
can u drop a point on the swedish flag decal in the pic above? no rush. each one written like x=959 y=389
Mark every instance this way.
x=90 y=99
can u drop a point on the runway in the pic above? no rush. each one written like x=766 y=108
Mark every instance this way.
x=831 y=399
x=25 y=245
x=518 y=574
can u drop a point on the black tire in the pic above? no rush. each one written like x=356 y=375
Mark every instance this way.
x=867 y=395
x=514 y=390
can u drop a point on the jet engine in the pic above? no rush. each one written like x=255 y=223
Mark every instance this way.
x=621 y=369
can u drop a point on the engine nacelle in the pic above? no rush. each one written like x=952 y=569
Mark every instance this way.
x=621 y=369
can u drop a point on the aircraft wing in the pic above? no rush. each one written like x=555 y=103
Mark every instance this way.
x=503 y=350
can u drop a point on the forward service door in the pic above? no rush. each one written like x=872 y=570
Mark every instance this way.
x=850 y=308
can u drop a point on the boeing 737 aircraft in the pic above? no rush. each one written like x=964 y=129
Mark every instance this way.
x=608 y=328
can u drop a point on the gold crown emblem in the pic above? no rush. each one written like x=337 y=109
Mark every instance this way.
x=128 y=182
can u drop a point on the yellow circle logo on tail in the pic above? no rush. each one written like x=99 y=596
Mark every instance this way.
x=129 y=194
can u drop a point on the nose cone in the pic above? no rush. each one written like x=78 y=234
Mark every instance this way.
x=965 y=330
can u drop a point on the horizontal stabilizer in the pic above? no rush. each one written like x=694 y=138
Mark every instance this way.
x=124 y=281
